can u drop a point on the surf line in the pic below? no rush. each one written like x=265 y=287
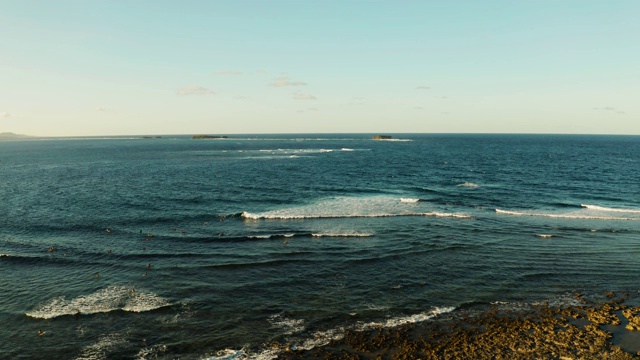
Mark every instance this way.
x=249 y=216
x=564 y=216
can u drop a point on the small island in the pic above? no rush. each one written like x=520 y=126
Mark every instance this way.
x=382 y=137
x=209 y=137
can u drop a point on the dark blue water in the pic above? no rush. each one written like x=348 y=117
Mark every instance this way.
x=173 y=247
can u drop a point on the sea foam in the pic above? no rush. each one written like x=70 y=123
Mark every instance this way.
x=607 y=209
x=351 y=207
x=105 y=300
x=571 y=215
x=410 y=319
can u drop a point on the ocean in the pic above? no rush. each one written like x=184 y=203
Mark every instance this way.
x=172 y=247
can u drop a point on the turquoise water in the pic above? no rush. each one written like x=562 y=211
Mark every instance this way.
x=173 y=247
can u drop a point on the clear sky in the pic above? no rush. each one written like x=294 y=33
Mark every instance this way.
x=124 y=67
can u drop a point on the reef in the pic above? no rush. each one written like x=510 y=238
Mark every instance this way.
x=581 y=331
x=382 y=137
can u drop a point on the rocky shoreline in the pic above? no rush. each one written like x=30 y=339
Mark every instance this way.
x=588 y=330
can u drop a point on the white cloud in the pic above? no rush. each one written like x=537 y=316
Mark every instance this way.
x=284 y=81
x=5 y=115
x=194 y=90
x=100 y=109
x=610 y=109
x=299 y=95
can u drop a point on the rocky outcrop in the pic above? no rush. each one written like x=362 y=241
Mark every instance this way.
x=542 y=332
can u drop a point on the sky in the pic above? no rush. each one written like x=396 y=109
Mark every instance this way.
x=123 y=67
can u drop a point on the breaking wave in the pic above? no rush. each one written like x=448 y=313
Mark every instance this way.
x=351 y=207
x=411 y=319
x=573 y=215
x=109 y=299
x=272 y=216
x=601 y=208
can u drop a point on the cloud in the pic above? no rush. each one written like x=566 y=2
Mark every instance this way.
x=194 y=90
x=101 y=109
x=610 y=109
x=284 y=81
x=307 y=109
x=228 y=72
x=5 y=115
x=299 y=95
x=423 y=88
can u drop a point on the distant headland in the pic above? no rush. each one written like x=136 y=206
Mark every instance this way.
x=209 y=137
x=12 y=136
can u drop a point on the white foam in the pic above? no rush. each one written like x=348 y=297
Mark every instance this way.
x=571 y=215
x=105 y=300
x=410 y=319
x=287 y=325
x=322 y=338
x=346 y=149
x=228 y=354
x=349 y=207
x=100 y=350
x=152 y=352
x=409 y=200
x=266 y=216
x=469 y=185
x=341 y=235
x=601 y=208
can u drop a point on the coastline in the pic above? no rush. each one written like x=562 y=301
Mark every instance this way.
x=606 y=328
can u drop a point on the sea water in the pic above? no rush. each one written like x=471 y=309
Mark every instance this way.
x=179 y=248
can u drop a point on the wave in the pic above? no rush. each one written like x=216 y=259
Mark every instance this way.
x=106 y=344
x=565 y=215
x=287 y=325
x=601 y=208
x=109 y=299
x=267 y=216
x=352 y=207
x=411 y=319
x=319 y=338
x=469 y=185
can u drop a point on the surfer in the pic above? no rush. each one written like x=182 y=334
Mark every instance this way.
x=40 y=332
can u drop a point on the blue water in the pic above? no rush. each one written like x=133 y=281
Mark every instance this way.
x=173 y=247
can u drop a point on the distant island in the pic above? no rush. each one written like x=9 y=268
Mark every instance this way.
x=12 y=136
x=382 y=137
x=209 y=137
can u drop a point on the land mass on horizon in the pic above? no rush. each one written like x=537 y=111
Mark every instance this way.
x=12 y=136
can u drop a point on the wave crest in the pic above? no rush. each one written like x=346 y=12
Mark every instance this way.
x=108 y=299
x=602 y=208
x=572 y=215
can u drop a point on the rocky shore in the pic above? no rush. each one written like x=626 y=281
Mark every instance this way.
x=591 y=329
